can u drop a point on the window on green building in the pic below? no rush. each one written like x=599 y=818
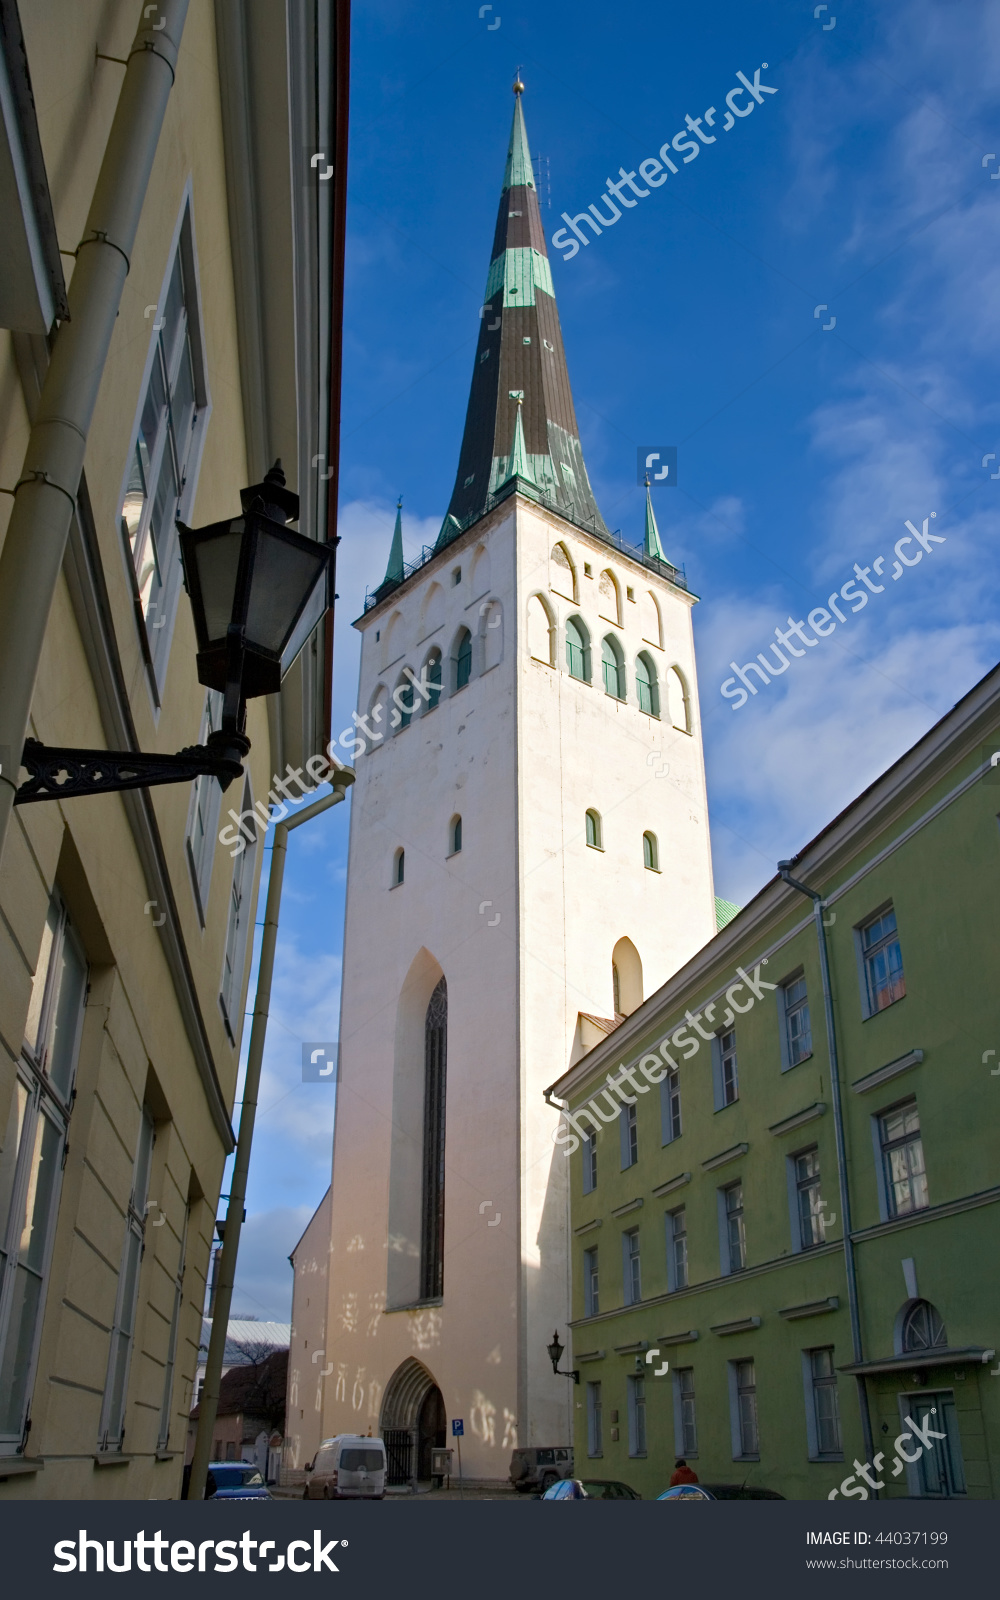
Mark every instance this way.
x=725 y=1074
x=629 y=1132
x=685 y=1419
x=923 y=1328
x=637 y=1416
x=677 y=1249
x=733 y=1235
x=809 y=1200
x=591 y=1300
x=589 y=1163
x=883 y=962
x=743 y=1403
x=904 y=1177
x=825 y=1406
x=670 y=1108
x=797 y=1030
x=630 y=1265
x=595 y=1429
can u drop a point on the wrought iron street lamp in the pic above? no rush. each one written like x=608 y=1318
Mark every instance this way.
x=555 y=1350
x=257 y=591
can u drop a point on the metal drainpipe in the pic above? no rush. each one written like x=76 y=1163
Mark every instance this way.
x=45 y=494
x=838 y=1125
x=209 y=1402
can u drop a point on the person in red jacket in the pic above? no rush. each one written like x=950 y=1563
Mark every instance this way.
x=682 y=1473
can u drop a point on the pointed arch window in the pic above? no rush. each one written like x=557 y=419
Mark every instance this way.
x=595 y=833
x=646 y=686
x=432 y=678
x=562 y=573
x=405 y=700
x=432 y=1205
x=577 y=650
x=613 y=664
x=923 y=1328
x=455 y=836
x=650 y=852
x=680 y=700
x=398 y=867
x=609 y=597
x=463 y=659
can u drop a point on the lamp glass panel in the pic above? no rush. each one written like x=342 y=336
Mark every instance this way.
x=283 y=576
x=218 y=563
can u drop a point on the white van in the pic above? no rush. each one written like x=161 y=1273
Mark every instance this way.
x=347 y=1467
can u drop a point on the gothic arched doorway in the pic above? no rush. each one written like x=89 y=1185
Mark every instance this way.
x=412 y=1422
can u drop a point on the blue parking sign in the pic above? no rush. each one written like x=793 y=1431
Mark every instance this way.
x=457 y=1427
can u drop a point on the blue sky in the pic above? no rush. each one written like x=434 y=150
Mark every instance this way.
x=802 y=450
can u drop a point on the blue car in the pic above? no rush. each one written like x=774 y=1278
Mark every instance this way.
x=686 y=1491
x=235 y=1480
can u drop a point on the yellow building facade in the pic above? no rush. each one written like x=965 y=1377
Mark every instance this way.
x=126 y=927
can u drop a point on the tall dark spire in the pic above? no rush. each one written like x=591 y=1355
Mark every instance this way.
x=520 y=411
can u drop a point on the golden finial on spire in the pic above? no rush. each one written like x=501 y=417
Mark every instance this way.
x=517 y=85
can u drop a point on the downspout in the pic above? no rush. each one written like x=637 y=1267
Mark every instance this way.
x=45 y=494
x=838 y=1126
x=226 y=1276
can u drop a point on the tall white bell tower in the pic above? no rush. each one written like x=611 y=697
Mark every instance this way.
x=522 y=869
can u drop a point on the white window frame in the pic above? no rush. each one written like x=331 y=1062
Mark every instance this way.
x=631 y=1268
x=863 y=956
x=206 y=803
x=637 y=1437
x=671 y=1114
x=114 y=1406
x=589 y=1163
x=725 y=1251
x=156 y=634
x=886 y=1197
x=795 y=1184
x=238 y=932
x=810 y=1387
x=736 y=1392
x=595 y=1421
x=684 y=1394
x=781 y=997
x=628 y=1132
x=44 y=1108
x=591 y=1282
x=673 y=1238
x=166 y=1407
x=720 y=1058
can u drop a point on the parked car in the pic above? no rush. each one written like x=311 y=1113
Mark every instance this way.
x=741 y=1491
x=235 y=1480
x=608 y=1489
x=537 y=1468
x=566 y=1489
x=347 y=1467
x=686 y=1491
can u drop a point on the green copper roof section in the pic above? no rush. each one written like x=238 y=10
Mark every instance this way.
x=520 y=461
x=518 y=168
x=520 y=272
x=725 y=911
x=394 y=571
x=651 y=543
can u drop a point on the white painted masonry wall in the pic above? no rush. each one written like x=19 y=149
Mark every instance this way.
x=521 y=923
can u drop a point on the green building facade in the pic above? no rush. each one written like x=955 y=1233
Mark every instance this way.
x=717 y=1147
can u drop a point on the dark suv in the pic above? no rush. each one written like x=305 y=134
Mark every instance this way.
x=535 y=1469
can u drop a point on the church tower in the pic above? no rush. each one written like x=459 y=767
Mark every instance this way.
x=529 y=858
